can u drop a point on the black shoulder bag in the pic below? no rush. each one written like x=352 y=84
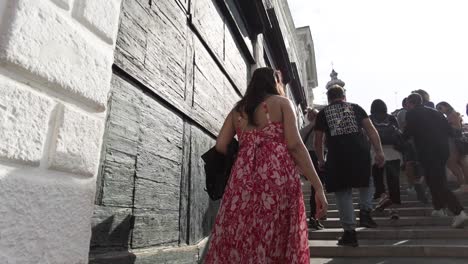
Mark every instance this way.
x=218 y=169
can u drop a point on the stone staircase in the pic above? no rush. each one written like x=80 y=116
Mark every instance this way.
x=416 y=237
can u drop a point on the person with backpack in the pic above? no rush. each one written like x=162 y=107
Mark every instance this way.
x=307 y=135
x=391 y=137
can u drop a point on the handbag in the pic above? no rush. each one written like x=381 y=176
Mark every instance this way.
x=218 y=169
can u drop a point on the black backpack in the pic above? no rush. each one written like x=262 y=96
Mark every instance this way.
x=218 y=169
x=389 y=133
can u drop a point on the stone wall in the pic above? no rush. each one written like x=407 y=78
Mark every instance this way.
x=177 y=74
x=55 y=72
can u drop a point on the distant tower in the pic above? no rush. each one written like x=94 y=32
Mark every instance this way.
x=334 y=80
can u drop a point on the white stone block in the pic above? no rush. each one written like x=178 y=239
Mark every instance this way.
x=102 y=17
x=45 y=217
x=65 y=4
x=78 y=142
x=44 y=42
x=24 y=119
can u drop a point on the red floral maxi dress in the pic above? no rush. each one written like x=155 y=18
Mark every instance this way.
x=262 y=217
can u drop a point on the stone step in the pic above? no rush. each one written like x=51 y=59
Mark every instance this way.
x=388 y=260
x=409 y=221
x=413 y=211
x=392 y=248
x=355 y=195
x=406 y=204
x=383 y=233
x=332 y=199
x=404 y=198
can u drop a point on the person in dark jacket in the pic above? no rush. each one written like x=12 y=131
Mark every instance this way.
x=431 y=131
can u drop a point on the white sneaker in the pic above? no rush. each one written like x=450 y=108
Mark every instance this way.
x=439 y=213
x=460 y=220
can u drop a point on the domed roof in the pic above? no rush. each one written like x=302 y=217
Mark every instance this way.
x=334 y=80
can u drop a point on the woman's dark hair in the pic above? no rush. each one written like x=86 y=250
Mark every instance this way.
x=265 y=82
x=446 y=105
x=378 y=107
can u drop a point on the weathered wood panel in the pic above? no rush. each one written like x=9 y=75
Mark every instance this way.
x=131 y=39
x=160 y=151
x=111 y=227
x=236 y=65
x=209 y=91
x=154 y=228
x=121 y=144
x=231 y=96
x=209 y=21
x=158 y=173
x=151 y=46
x=184 y=221
x=202 y=209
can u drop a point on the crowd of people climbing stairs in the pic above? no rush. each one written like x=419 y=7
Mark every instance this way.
x=262 y=217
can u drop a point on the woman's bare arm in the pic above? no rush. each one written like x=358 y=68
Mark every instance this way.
x=297 y=148
x=226 y=134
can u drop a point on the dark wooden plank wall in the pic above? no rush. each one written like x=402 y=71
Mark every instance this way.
x=176 y=76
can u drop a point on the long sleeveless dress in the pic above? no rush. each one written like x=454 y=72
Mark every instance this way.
x=262 y=216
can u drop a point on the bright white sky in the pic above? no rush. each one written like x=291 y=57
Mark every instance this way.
x=386 y=49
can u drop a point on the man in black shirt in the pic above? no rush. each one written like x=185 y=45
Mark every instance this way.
x=348 y=163
x=431 y=131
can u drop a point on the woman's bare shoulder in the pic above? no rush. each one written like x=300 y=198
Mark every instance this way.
x=278 y=100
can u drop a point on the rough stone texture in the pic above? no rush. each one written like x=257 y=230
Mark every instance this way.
x=57 y=53
x=209 y=22
x=117 y=179
x=121 y=144
x=202 y=209
x=160 y=151
x=209 y=92
x=158 y=196
x=151 y=46
x=101 y=16
x=158 y=175
x=24 y=116
x=45 y=218
x=77 y=143
x=184 y=220
x=231 y=96
x=111 y=227
x=163 y=60
x=176 y=255
x=65 y=4
x=236 y=65
x=154 y=228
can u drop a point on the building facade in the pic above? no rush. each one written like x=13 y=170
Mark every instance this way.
x=107 y=109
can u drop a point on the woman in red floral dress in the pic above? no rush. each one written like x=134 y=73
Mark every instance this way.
x=262 y=217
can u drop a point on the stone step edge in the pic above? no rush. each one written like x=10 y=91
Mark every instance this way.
x=367 y=234
x=390 y=251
